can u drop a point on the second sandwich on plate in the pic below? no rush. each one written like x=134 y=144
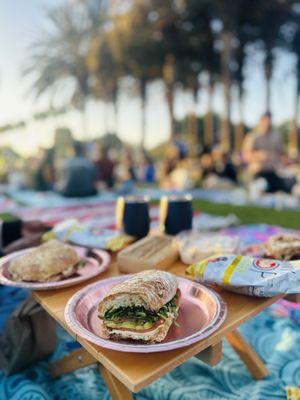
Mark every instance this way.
x=141 y=308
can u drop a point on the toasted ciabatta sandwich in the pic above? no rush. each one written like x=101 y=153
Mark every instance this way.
x=141 y=308
x=51 y=261
x=283 y=246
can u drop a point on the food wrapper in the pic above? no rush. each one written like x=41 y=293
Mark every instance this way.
x=292 y=393
x=247 y=275
x=88 y=235
x=195 y=246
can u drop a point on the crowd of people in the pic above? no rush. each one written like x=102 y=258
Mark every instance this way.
x=87 y=169
x=261 y=163
x=90 y=168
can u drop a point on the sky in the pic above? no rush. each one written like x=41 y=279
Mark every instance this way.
x=21 y=22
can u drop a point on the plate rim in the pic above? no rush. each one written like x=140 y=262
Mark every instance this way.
x=41 y=286
x=81 y=331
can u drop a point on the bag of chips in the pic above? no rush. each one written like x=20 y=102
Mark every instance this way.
x=247 y=275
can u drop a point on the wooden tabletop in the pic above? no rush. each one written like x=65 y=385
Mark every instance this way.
x=138 y=370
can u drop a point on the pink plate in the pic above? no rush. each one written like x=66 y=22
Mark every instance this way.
x=201 y=312
x=92 y=268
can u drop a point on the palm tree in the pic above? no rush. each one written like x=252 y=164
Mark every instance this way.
x=58 y=58
x=196 y=55
x=208 y=117
x=211 y=64
x=167 y=27
x=139 y=55
x=227 y=14
x=106 y=73
x=270 y=18
x=239 y=78
x=294 y=140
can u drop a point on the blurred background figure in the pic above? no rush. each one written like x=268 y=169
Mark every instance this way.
x=147 y=174
x=105 y=167
x=44 y=176
x=126 y=173
x=223 y=165
x=78 y=175
x=206 y=164
x=262 y=152
x=177 y=169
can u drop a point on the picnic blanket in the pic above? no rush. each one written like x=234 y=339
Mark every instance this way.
x=234 y=196
x=103 y=214
x=274 y=333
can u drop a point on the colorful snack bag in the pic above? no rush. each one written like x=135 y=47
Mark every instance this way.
x=247 y=275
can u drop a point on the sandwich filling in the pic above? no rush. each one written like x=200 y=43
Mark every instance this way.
x=138 y=318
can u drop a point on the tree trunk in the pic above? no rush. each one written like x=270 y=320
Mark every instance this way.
x=84 y=122
x=208 y=118
x=293 y=142
x=268 y=73
x=170 y=103
x=268 y=93
x=169 y=79
x=143 y=94
x=239 y=127
x=116 y=110
x=194 y=138
x=226 y=83
x=116 y=117
x=106 y=117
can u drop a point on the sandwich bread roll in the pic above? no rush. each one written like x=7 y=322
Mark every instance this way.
x=141 y=308
x=44 y=263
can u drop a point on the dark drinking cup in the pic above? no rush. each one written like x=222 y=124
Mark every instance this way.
x=176 y=213
x=133 y=215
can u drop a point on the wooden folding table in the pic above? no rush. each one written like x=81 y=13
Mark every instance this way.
x=126 y=372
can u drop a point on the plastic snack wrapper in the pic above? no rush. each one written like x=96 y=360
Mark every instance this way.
x=292 y=393
x=247 y=275
x=195 y=246
x=88 y=235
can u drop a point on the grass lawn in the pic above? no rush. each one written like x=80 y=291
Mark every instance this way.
x=252 y=215
x=7 y=217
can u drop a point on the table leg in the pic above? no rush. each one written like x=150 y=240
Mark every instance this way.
x=212 y=355
x=295 y=298
x=78 y=358
x=253 y=362
x=117 y=389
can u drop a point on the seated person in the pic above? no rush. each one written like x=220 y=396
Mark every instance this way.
x=78 y=175
x=126 y=175
x=105 y=168
x=176 y=172
x=148 y=169
x=206 y=165
x=44 y=176
x=223 y=165
x=262 y=152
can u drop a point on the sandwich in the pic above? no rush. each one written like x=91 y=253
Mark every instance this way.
x=51 y=261
x=141 y=308
x=285 y=246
